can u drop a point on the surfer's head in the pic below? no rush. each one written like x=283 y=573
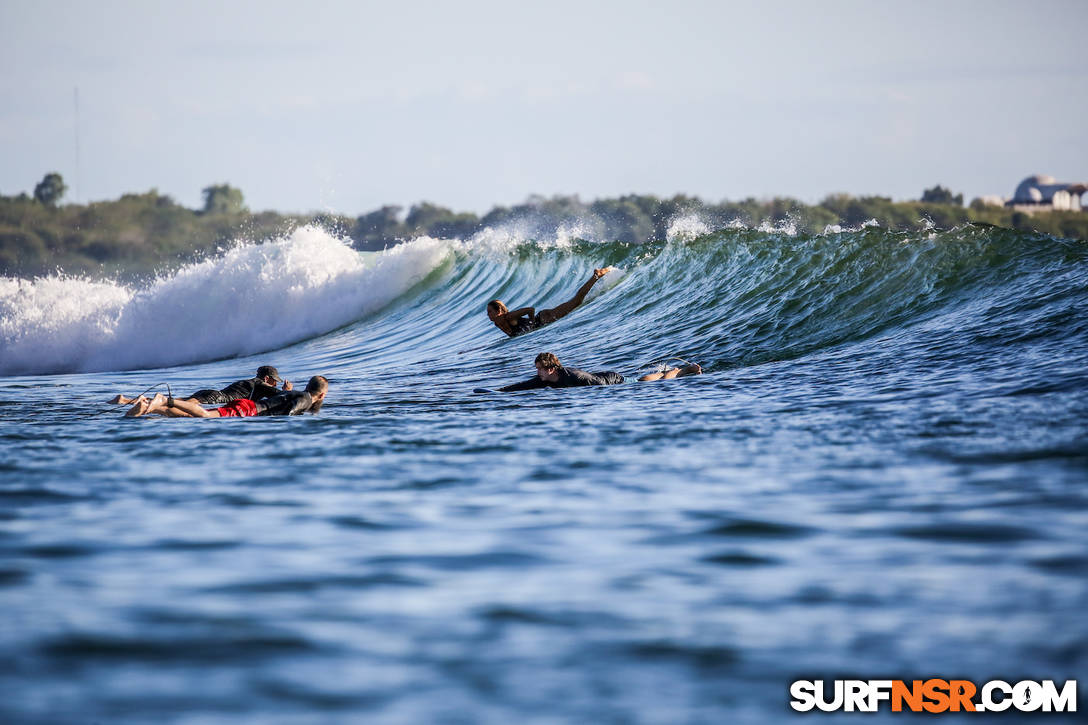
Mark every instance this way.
x=495 y=308
x=547 y=367
x=269 y=374
x=317 y=387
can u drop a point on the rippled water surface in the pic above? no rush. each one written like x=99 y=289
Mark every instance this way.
x=881 y=474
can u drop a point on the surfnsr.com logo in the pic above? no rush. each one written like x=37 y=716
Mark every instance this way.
x=933 y=696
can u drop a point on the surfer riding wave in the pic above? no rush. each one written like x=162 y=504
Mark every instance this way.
x=526 y=319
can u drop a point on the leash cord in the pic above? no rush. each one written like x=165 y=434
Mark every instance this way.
x=156 y=385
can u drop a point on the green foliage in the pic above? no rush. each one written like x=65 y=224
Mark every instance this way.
x=51 y=189
x=223 y=199
x=437 y=221
x=139 y=234
x=373 y=230
x=132 y=236
x=940 y=195
x=625 y=220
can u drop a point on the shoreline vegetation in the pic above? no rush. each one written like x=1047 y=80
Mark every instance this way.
x=140 y=234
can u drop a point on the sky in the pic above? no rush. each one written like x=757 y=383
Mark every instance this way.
x=347 y=106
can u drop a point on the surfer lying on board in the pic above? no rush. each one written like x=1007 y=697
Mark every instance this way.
x=290 y=402
x=256 y=388
x=526 y=319
x=550 y=373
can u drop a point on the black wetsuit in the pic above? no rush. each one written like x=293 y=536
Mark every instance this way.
x=253 y=389
x=526 y=324
x=293 y=402
x=568 y=378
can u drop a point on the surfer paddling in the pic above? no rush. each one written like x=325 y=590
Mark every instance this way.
x=526 y=319
x=550 y=373
x=290 y=402
x=256 y=388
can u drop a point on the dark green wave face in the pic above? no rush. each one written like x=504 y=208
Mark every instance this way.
x=739 y=297
x=748 y=297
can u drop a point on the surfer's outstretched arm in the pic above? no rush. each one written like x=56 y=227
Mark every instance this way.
x=530 y=384
x=549 y=316
x=670 y=373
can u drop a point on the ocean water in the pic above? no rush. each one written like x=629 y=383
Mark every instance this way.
x=880 y=474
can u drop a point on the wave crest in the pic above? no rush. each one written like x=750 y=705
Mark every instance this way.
x=252 y=299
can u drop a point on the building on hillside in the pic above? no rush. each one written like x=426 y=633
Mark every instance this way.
x=1043 y=193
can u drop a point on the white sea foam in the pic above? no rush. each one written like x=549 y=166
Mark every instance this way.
x=687 y=226
x=253 y=298
x=568 y=232
x=787 y=226
x=498 y=241
x=839 y=229
x=503 y=239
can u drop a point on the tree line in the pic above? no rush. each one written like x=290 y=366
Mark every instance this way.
x=140 y=234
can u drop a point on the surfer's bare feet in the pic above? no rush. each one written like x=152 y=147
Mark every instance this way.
x=157 y=403
x=122 y=400
x=670 y=373
x=140 y=407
